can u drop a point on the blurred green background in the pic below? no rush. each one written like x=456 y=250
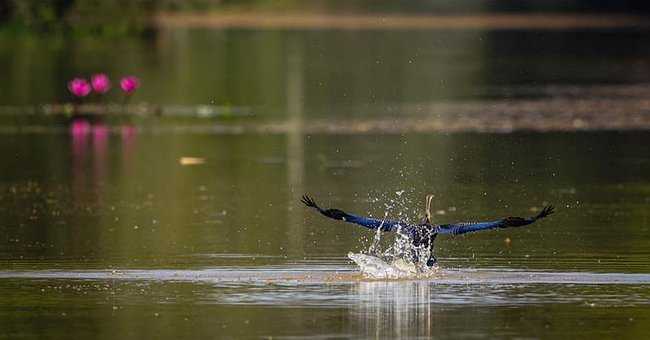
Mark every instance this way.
x=122 y=16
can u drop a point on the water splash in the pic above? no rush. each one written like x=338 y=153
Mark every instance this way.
x=397 y=260
x=373 y=267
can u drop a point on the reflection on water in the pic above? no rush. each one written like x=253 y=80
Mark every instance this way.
x=417 y=308
x=404 y=308
x=400 y=308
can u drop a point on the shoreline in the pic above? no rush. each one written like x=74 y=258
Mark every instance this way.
x=566 y=109
x=298 y=20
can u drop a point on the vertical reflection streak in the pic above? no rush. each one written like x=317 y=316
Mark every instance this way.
x=401 y=308
x=295 y=143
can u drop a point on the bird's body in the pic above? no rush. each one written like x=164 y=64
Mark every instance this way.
x=423 y=235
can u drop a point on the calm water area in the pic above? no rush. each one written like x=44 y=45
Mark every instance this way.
x=145 y=227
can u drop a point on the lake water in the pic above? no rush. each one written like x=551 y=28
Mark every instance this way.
x=163 y=228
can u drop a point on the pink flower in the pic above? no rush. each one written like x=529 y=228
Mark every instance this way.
x=129 y=84
x=79 y=87
x=100 y=82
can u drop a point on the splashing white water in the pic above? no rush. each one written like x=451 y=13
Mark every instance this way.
x=376 y=268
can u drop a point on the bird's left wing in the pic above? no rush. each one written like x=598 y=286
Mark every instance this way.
x=368 y=222
x=462 y=228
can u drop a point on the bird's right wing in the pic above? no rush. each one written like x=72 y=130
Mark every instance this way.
x=368 y=222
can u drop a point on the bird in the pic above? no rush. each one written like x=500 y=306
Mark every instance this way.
x=423 y=234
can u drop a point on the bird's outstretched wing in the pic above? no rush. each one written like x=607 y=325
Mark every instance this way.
x=368 y=222
x=462 y=228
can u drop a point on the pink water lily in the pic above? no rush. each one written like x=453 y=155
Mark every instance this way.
x=129 y=84
x=100 y=82
x=79 y=87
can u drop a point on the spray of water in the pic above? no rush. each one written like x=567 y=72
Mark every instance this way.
x=396 y=260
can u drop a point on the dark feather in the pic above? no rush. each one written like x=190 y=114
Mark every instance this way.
x=308 y=201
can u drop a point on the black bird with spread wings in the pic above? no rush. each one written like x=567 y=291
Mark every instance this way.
x=424 y=233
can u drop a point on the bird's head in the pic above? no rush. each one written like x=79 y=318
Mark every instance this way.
x=335 y=214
